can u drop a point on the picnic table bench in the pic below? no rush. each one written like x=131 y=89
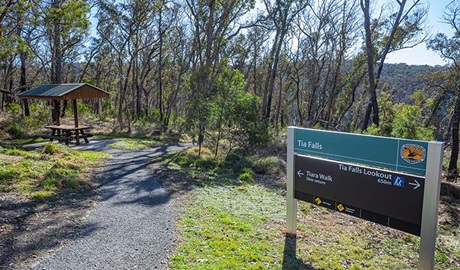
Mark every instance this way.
x=66 y=133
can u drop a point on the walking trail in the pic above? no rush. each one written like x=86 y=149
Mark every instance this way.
x=132 y=227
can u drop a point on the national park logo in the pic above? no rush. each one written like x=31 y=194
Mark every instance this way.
x=413 y=153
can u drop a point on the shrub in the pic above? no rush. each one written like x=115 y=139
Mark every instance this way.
x=268 y=165
x=15 y=152
x=407 y=124
x=51 y=149
x=237 y=162
x=15 y=130
x=247 y=177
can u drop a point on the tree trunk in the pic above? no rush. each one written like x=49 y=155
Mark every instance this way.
x=452 y=170
x=160 y=69
x=270 y=85
x=23 y=80
x=372 y=106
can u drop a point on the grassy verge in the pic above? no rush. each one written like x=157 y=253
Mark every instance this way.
x=47 y=171
x=227 y=223
x=134 y=144
x=125 y=141
x=219 y=231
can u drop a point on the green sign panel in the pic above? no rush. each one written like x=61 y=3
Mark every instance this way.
x=390 y=153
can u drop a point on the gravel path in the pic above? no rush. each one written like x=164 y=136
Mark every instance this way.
x=133 y=225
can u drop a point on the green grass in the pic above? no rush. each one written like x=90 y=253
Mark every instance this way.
x=134 y=143
x=23 y=141
x=46 y=171
x=219 y=231
x=231 y=224
x=233 y=165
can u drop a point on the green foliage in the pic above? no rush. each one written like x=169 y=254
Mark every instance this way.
x=73 y=15
x=15 y=152
x=51 y=149
x=14 y=109
x=268 y=165
x=60 y=178
x=237 y=162
x=19 y=126
x=10 y=42
x=223 y=106
x=402 y=120
x=408 y=124
x=235 y=226
x=82 y=108
x=406 y=79
x=38 y=116
x=15 y=130
x=247 y=176
x=7 y=177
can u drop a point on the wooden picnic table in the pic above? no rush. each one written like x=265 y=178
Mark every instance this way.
x=66 y=133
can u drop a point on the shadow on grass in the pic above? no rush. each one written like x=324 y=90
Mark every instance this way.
x=290 y=260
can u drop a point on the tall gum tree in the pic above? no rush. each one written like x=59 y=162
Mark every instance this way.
x=66 y=25
x=449 y=49
x=280 y=14
x=325 y=31
x=402 y=28
x=215 y=22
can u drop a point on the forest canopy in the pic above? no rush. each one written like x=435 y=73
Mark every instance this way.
x=236 y=72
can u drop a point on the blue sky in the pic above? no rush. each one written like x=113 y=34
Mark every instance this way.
x=420 y=55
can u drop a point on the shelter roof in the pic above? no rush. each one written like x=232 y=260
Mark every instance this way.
x=67 y=91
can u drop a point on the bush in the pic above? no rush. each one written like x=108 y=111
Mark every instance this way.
x=51 y=149
x=15 y=152
x=407 y=124
x=237 y=162
x=268 y=165
x=247 y=177
x=16 y=131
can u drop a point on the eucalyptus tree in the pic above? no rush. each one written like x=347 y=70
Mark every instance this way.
x=129 y=30
x=63 y=26
x=325 y=33
x=213 y=24
x=449 y=49
x=178 y=62
x=7 y=38
x=280 y=15
x=257 y=37
x=66 y=26
x=400 y=25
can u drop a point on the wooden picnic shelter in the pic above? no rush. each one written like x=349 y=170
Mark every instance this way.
x=67 y=91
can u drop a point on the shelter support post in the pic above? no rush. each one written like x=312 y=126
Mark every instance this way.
x=57 y=111
x=75 y=112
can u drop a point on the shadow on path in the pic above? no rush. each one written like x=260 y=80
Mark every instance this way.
x=132 y=226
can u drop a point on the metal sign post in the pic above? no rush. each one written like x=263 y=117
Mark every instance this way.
x=398 y=186
x=430 y=206
x=291 y=201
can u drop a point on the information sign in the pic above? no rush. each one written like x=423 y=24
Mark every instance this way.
x=390 y=153
x=369 y=177
x=385 y=197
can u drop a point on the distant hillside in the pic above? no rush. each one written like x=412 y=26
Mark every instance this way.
x=404 y=79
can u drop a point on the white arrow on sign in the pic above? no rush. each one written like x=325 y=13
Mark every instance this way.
x=416 y=184
x=299 y=173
